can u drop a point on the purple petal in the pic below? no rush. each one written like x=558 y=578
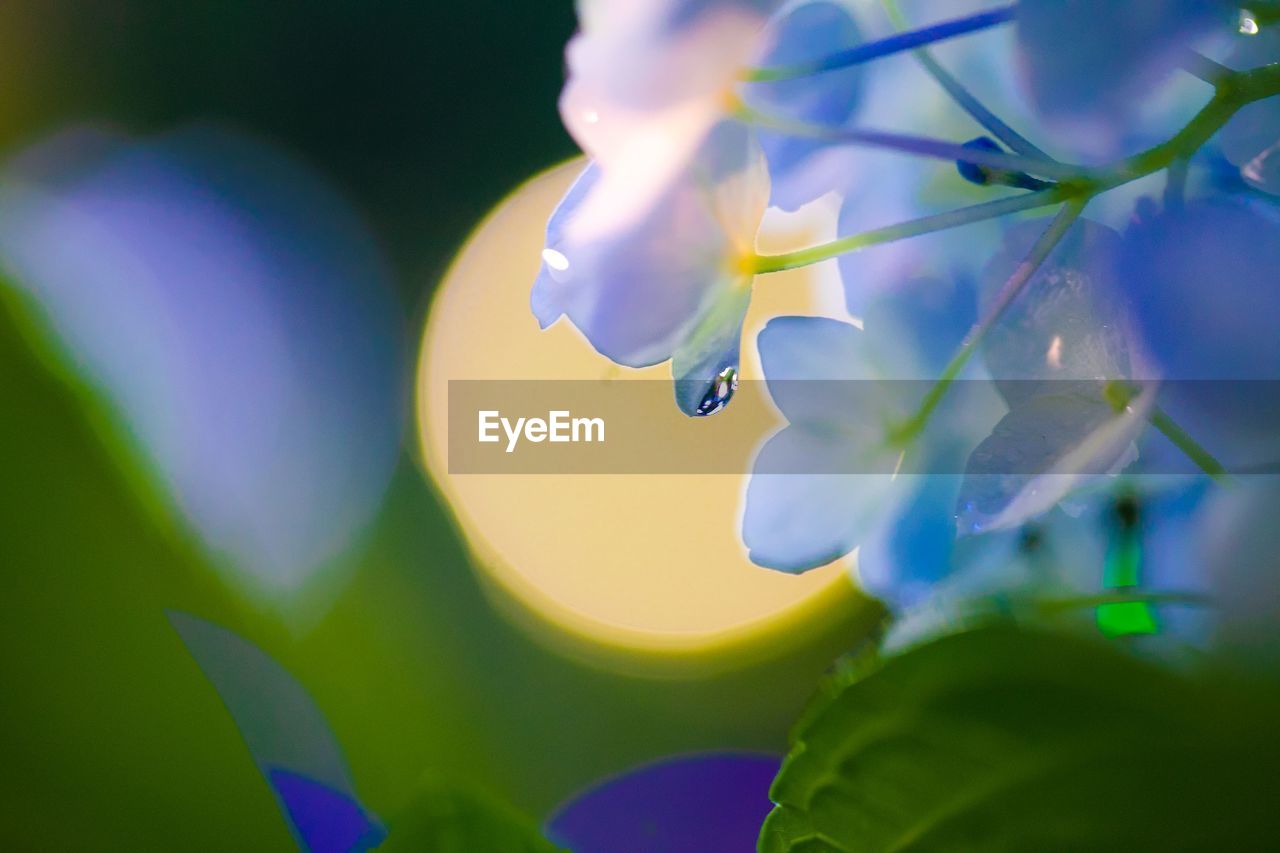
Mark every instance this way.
x=705 y=803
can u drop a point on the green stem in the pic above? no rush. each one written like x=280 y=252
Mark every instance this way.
x=1235 y=90
x=1230 y=94
x=1182 y=439
x=1202 y=67
x=903 y=230
x=963 y=97
x=1013 y=286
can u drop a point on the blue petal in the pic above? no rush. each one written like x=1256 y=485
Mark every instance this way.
x=903 y=561
x=543 y=299
x=691 y=804
x=326 y=821
x=637 y=295
x=1203 y=283
x=1204 y=286
x=683 y=13
x=705 y=367
x=1044 y=448
x=1095 y=60
x=794 y=522
x=809 y=363
x=916 y=327
x=880 y=195
x=1069 y=322
x=286 y=734
x=805 y=32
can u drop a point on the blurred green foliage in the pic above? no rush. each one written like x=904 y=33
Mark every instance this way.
x=1008 y=739
x=111 y=738
x=445 y=819
x=424 y=115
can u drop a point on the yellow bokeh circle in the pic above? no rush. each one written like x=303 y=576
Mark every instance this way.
x=639 y=573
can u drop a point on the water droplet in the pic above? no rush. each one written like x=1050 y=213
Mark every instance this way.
x=1248 y=24
x=556 y=260
x=719 y=393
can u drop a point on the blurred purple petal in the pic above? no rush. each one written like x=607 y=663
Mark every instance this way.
x=287 y=736
x=703 y=803
x=240 y=318
x=326 y=821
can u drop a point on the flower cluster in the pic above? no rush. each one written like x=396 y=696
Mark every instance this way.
x=1063 y=397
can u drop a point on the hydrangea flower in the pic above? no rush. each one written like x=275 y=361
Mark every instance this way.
x=834 y=479
x=1250 y=140
x=1202 y=282
x=648 y=80
x=676 y=284
x=1092 y=63
x=798 y=515
x=1051 y=355
x=803 y=32
x=1129 y=538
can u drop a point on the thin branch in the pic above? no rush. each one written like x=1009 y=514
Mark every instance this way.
x=911 y=228
x=1012 y=287
x=966 y=100
x=921 y=146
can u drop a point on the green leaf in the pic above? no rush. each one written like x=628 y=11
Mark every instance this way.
x=445 y=819
x=1008 y=739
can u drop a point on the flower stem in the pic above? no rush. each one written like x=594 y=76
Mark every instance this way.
x=963 y=97
x=921 y=146
x=1012 y=287
x=912 y=228
x=1182 y=439
x=1202 y=67
x=896 y=43
x=1236 y=90
x=1077 y=183
x=1077 y=187
x=1120 y=394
